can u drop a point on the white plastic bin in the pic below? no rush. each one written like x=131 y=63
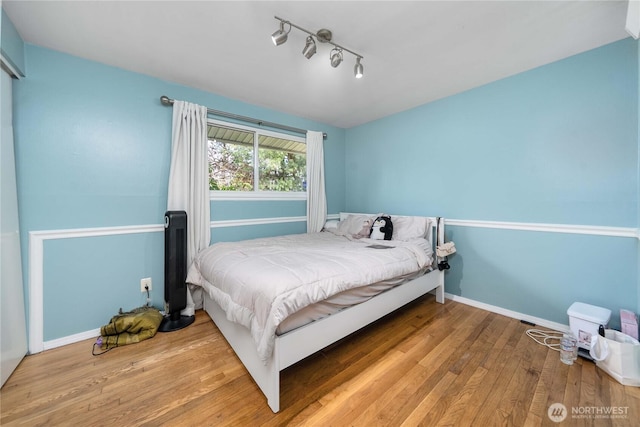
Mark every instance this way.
x=584 y=320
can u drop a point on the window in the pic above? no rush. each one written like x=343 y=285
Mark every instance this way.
x=255 y=162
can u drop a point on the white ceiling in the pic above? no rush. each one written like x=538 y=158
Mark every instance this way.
x=414 y=51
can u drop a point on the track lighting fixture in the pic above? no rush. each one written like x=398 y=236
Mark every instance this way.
x=280 y=36
x=323 y=36
x=309 y=48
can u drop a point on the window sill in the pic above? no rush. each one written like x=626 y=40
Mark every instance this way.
x=257 y=195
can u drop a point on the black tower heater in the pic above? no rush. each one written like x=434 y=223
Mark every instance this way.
x=175 y=271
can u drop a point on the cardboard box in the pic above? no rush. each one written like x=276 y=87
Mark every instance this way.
x=629 y=323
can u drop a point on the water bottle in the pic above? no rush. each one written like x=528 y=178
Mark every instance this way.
x=568 y=349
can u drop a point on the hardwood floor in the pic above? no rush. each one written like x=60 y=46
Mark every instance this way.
x=427 y=364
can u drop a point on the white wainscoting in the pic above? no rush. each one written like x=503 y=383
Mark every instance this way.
x=258 y=221
x=36 y=272
x=36 y=262
x=36 y=269
x=597 y=230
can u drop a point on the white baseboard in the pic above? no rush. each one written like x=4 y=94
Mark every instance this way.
x=48 y=345
x=509 y=313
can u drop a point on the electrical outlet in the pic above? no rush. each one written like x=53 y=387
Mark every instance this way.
x=145 y=282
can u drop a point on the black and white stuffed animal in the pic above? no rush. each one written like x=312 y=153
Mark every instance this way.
x=382 y=228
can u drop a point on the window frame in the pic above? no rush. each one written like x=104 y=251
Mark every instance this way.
x=256 y=194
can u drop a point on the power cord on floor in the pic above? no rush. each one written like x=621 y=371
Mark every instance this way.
x=146 y=287
x=98 y=344
x=545 y=337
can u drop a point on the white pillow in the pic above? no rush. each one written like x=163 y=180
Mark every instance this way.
x=410 y=227
x=354 y=224
x=331 y=224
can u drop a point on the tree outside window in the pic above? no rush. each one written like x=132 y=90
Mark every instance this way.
x=280 y=160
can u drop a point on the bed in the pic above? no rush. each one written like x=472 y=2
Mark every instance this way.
x=323 y=285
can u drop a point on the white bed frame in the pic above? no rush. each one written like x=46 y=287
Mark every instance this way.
x=299 y=343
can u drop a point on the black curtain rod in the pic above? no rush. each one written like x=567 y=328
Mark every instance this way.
x=165 y=100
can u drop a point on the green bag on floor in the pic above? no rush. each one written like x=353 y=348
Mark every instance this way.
x=131 y=327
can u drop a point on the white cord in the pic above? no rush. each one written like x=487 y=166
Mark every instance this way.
x=543 y=337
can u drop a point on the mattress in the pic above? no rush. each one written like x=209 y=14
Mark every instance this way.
x=261 y=282
x=341 y=301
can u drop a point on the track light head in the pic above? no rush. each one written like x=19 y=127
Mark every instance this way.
x=358 y=70
x=280 y=36
x=309 y=48
x=336 y=57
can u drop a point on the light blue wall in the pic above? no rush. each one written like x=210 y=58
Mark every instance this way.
x=557 y=144
x=11 y=45
x=93 y=151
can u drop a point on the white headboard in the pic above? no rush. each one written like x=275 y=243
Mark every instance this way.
x=343 y=215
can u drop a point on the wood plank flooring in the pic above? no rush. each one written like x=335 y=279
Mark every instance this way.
x=427 y=364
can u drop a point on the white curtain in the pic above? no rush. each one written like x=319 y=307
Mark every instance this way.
x=316 y=198
x=189 y=181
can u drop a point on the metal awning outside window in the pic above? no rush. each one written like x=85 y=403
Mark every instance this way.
x=241 y=137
